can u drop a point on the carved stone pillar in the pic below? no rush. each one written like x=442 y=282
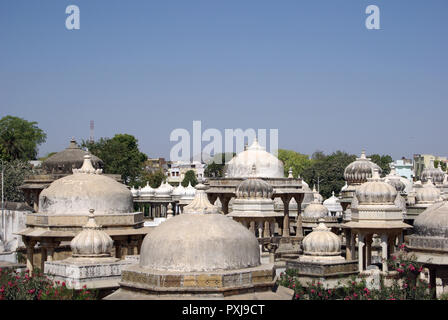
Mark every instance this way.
x=368 y=250
x=29 y=254
x=360 y=252
x=43 y=257
x=384 y=245
x=267 y=229
x=349 y=253
x=225 y=203
x=286 y=199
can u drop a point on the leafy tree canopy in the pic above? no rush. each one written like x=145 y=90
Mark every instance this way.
x=442 y=164
x=14 y=173
x=154 y=179
x=190 y=177
x=383 y=161
x=327 y=171
x=120 y=155
x=19 y=139
x=297 y=161
x=215 y=167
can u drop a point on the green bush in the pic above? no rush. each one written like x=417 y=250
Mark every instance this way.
x=22 y=286
x=406 y=286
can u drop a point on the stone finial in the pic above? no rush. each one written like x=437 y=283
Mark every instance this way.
x=87 y=167
x=169 y=212
x=290 y=173
x=363 y=154
x=253 y=172
x=200 y=203
x=375 y=174
x=92 y=241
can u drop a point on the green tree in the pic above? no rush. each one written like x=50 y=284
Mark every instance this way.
x=297 y=161
x=19 y=139
x=14 y=173
x=190 y=177
x=328 y=172
x=120 y=155
x=382 y=161
x=47 y=156
x=155 y=179
x=442 y=164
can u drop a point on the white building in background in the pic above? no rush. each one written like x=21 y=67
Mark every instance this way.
x=405 y=168
x=177 y=170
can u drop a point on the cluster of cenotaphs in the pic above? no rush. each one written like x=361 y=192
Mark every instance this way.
x=229 y=237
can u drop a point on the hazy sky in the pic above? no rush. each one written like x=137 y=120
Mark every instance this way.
x=309 y=68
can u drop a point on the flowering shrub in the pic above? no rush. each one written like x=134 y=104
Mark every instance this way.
x=22 y=286
x=406 y=286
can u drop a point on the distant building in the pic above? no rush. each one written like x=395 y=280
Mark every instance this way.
x=155 y=164
x=177 y=170
x=405 y=168
x=422 y=161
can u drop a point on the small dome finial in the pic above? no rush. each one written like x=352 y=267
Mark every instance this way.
x=290 y=176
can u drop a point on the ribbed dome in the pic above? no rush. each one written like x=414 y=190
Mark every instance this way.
x=360 y=170
x=72 y=157
x=433 y=221
x=315 y=210
x=268 y=166
x=200 y=240
x=86 y=188
x=394 y=179
x=321 y=242
x=376 y=191
x=429 y=193
x=91 y=241
x=435 y=174
x=254 y=188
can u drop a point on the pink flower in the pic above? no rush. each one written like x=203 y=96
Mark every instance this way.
x=312 y=291
x=31 y=291
x=355 y=295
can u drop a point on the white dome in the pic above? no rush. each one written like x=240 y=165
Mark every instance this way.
x=85 y=189
x=189 y=192
x=267 y=165
x=333 y=204
x=360 y=170
x=179 y=190
x=200 y=240
x=164 y=190
x=317 y=195
x=147 y=190
x=429 y=193
x=91 y=241
x=321 y=242
x=376 y=191
x=315 y=210
x=435 y=174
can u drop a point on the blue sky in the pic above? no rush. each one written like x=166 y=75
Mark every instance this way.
x=307 y=68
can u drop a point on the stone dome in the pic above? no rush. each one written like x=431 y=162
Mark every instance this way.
x=360 y=170
x=200 y=240
x=429 y=193
x=254 y=188
x=189 y=192
x=321 y=242
x=135 y=192
x=268 y=166
x=376 y=191
x=72 y=157
x=315 y=210
x=317 y=195
x=164 y=190
x=433 y=222
x=91 y=241
x=86 y=188
x=178 y=191
x=333 y=204
x=395 y=180
x=435 y=174
x=147 y=190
